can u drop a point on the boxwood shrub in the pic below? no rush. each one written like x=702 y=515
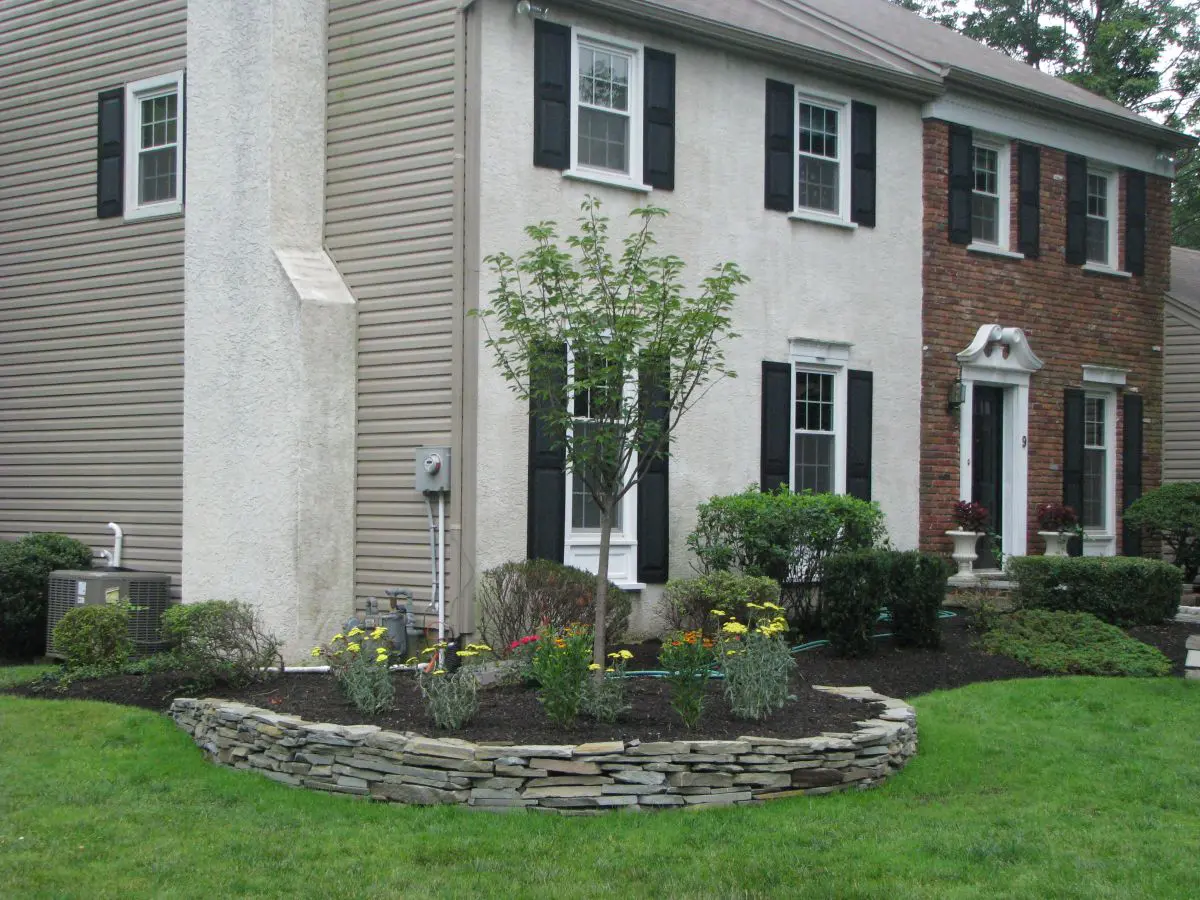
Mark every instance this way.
x=1073 y=644
x=95 y=636
x=25 y=566
x=1120 y=590
x=916 y=588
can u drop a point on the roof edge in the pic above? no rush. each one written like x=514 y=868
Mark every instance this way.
x=1142 y=128
x=1182 y=309
x=888 y=80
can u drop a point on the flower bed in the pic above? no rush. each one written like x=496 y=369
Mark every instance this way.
x=405 y=767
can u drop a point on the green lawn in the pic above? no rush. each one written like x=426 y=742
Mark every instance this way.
x=1030 y=789
x=11 y=675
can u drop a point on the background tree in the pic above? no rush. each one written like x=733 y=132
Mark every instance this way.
x=1143 y=54
x=642 y=353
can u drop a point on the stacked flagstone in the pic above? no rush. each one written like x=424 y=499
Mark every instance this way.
x=570 y=779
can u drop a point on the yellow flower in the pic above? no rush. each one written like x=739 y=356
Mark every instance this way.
x=773 y=606
x=734 y=628
x=339 y=637
x=467 y=653
x=440 y=672
x=411 y=661
x=354 y=631
x=480 y=648
x=730 y=652
x=625 y=654
x=378 y=633
x=609 y=669
x=594 y=667
x=429 y=650
x=316 y=651
x=753 y=605
x=354 y=648
x=718 y=612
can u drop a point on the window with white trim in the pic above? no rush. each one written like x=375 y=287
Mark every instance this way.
x=1101 y=218
x=819 y=163
x=154 y=110
x=606 y=101
x=1099 y=462
x=989 y=193
x=813 y=455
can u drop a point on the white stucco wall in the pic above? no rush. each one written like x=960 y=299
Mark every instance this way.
x=808 y=280
x=269 y=376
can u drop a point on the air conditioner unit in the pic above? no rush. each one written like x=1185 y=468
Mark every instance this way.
x=150 y=592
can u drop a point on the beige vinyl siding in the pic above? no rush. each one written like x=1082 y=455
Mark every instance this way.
x=1181 y=396
x=393 y=129
x=91 y=310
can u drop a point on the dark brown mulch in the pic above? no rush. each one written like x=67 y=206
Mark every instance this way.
x=513 y=713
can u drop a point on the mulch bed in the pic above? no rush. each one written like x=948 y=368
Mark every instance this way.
x=510 y=713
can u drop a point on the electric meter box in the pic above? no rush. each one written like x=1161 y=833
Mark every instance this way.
x=433 y=470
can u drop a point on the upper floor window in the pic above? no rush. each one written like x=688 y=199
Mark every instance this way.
x=1101 y=232
x=989 y=193
x=818 y=185
x=606 y=97
x=154 y=146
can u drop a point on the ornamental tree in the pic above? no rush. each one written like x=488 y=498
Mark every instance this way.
x=639 y=351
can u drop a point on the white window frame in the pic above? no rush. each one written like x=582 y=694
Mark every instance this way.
x=632 y=179
x=1102 y=541
x=840 y=105
x=821 y=358
x=582 y=546
x=135 y=92
x=1003 y=150
x=1112 y=264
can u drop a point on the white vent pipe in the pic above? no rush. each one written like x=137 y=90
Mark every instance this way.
x=118 y=544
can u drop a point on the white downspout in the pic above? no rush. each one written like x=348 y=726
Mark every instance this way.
x=441 y=578
x=118 y=544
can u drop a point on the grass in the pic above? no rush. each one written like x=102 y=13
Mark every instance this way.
x=1073 y=643
x=10 y=676
x=1043 y=788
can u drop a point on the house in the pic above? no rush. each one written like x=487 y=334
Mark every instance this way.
x=241 y=242
x=1181 y=363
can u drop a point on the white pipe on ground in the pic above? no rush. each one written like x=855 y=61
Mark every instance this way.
x=118 y=544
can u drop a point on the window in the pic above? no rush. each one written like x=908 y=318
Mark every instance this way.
x=607 y=102
x=815 y=434
x=989 y=193
x=818 y=173
x=154 y=146
x=1100 y=232
x=1095 y=460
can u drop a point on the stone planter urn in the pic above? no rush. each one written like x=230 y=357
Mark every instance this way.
x=964 y=551
x=1056 y=542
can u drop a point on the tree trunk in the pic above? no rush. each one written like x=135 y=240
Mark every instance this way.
x=599 y=635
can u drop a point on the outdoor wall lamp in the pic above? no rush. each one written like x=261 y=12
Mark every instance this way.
x=525 y=8
x=958 y=393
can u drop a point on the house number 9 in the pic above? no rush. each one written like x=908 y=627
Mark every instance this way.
x=1024 y=441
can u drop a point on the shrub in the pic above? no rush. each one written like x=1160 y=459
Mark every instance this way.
x=516 y=599
x=25 y=566
x=916 y=589
x=784 y=536
x=1120 y=590
x=1172 y=513
x=605 y=700
x=560 y=665
x=687 y=659
x=970 y=516
x=756 y=662
x=1073 y=644
x=95 y=636
x=361 y=663
x=686 y=604
x=220 y=641
x=854 y=588
x=452 y=698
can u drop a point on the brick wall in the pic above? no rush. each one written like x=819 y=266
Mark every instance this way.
x=1071 y=317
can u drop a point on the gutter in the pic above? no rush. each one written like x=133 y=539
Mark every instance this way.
x=718 y=34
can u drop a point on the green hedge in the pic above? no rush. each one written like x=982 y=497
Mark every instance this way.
x=95 y=636
x=1073 y=644
x=25 y=566
x=1120 y=590
x=857 y=585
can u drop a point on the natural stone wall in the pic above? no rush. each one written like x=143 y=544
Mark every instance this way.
x=413 y=768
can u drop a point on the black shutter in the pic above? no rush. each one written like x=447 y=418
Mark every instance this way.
x=961 y=183
x=776 y=444
x=110 y=153
x=1132 y=470
x=551 y=95
x=862 y=173
x=1073 y=459
x=658 y=162
x=1029 y=188
x=858 y=434
x=1076 y=210
x=1135 y=223
x=653 y=525
x=547 y=502
x=780 y=146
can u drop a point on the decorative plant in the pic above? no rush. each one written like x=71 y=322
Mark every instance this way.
x=95 y=636
x=452 y=698
x=25 y=564
x=560 y=665
x=360 y=661
x=605 y=700
x=970 y=516
x=645 y=353
x=755 y=660
x=220 y=641
x=687 y=659
x=1057 y=517
x=1172 y=514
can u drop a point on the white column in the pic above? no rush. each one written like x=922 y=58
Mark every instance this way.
x=269 y=358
